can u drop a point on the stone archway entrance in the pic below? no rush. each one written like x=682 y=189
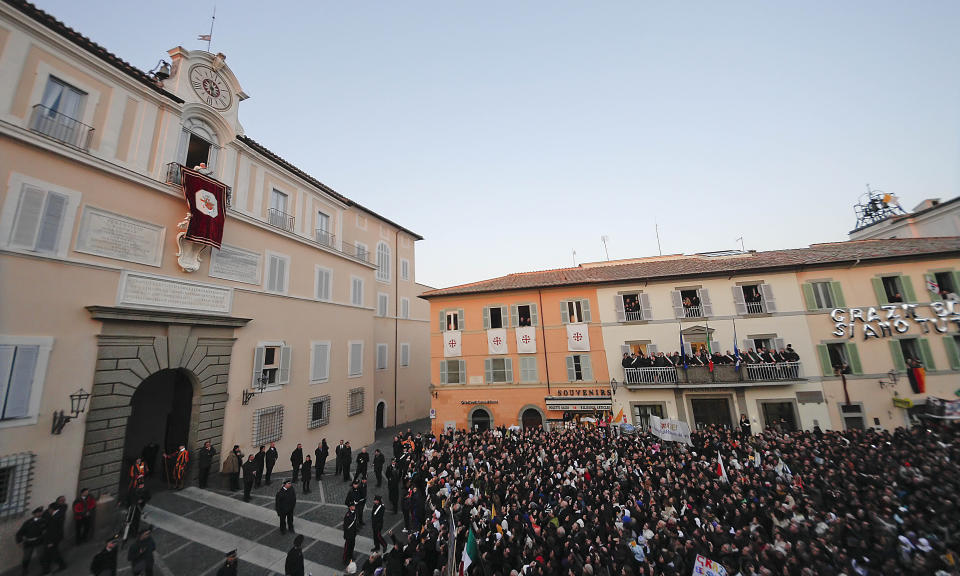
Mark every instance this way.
x=531 y=418
x=381 y=415
x=159 y=423
x=480 y=420
x=141 y=349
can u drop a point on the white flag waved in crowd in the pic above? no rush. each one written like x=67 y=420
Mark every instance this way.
x=451 y=344
x=578 y=337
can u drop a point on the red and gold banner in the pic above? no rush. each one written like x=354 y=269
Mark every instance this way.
x=207 y=199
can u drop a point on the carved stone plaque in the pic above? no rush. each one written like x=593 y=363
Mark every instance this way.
x=237 y=264
x=111 y=235
x=147 y=290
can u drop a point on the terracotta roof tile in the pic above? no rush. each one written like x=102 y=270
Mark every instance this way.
x=685 y=266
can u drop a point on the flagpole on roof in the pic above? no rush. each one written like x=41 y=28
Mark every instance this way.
x=212 y=20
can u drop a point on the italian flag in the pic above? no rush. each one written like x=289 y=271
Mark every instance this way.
x=470 y=553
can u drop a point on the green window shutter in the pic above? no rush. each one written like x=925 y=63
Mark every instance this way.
x=488 y=369
x=571 y=370
x=896 y=352
x=854 y=355
x=585 y=306
x=564 y=313
x=460 y=325
x=837 y=292
x=908 y=294
x=953 y=352
x=514 y=316
x=462 y=367
x=486 y=317
x=808 y=296
x=934 y=296
x=879 y=291
x=504 y=318
x=533 y=315
x=443 y=371
x=586 y=368
x=926 y=354
x=825 y=364
x=508 y=368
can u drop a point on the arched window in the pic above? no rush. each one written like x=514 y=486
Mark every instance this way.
x=199 y=144
x=383 y=262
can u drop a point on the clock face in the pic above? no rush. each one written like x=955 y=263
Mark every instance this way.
x=210 y=87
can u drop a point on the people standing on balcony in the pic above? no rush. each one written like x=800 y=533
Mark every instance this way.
x=627 y=361
x=790 y=354
x=751 y=356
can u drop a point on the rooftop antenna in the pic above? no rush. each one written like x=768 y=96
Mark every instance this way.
x=740 y=240
x=574 y=257
x=209 y=37
x=605 y=239
x=656 y=228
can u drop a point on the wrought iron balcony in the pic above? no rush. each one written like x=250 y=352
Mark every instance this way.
x=60 y=127
x=326 y=238
x=748 y=374
x=755 y=308
x=354 y=251
x=175 y=178
x=651 y=375
x=778 y=371
x=693 y=311
x=634 y=316
x=280 y=219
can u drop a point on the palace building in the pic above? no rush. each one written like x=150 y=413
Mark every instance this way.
x=122 y=324
x=735 y=303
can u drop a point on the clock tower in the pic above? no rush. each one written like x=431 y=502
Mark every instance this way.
x=206 y=84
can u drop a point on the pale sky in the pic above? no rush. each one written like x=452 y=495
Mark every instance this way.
x=509 y=134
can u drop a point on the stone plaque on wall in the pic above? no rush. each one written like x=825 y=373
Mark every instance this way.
x=110 y=235
x=146 y=290
x=232 y=263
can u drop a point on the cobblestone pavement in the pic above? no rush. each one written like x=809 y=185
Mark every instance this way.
x=193 y=528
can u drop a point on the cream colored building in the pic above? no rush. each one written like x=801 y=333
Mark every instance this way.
x=306 y=324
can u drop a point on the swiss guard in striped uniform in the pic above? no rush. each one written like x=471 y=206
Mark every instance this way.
x=181 y=459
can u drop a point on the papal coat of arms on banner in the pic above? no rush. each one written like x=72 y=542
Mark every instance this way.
x=203 y=225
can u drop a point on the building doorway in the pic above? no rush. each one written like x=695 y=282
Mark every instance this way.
x=480 y=420
x=159 y=423
x=711 y=412
x=531 y=418
x=381 y=415
x=779 y=413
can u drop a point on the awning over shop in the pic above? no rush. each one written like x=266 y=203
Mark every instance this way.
x=579 y=404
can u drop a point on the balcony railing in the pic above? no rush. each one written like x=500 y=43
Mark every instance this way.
x=692 y=312
x=174 y=177
x=755 y=308
x=722 y=373
x=778 y=371
x=280 y=219
x=60 y=127
x=325 y=238
x=652 y=375
x=633 y=316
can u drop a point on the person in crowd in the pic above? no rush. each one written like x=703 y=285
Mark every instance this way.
x=294 y=563
x=249 y=476
x=31 y=537
x=376 y=519
x=205 y=462
x=322 y=452
x=55 y=518
x=338 y=459
x=306 y=474
x=363 y=459
x=378 y=462
x=271 y=460
x=393 y=485
x=230 y=565
x=346 y=459
x=104 y=563
x=180 y=459
x=232 y=465
x=745 y=426
x=350 y=528
x=296 y=461
x=141 y=552
x=84 y=511
x=132 y=520
x=261 y=461
x=286 y=503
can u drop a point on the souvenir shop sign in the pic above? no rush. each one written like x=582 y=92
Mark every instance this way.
x=893 y=319
x=583 y=392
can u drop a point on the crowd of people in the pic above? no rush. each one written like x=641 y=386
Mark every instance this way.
x=702 y=357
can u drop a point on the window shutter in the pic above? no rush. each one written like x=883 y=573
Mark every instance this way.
x=586 y=368
x=739 y=302
x=284 y=375
x=926 y=353
x=486 y=317
x=7 y=352
x=688 y=348
x=585 y=307
x=808 y=296
x=17 y=402
x=651 y=349
x=49 y=234
x=715 y=346
x=618 y=306
x=778 y=343
x=28 y=218
x=281 y=275
x=953 y=353
x=258 y=364
x=272 y=274
x=624 y=349
x=928 y=279
x=824 y=356
x=320 y=369
x=705 y=302
x=837 y=293
x=879 y=291
x=356 y=359
x=746 y=345
x=677 y=302
x=462 y=368
x=854 y=356
x=443 y=371
x=564 y=313
x=533 y=314
x=514 y=315
x=571 y=370
x=504 y=318
x=460 y=324
x=908 y=294
x=646 y=311
x=508 y=368
x=443 y=320
x=405 y=355
x=488 y=370
x=769 y=302
x=896 y=352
